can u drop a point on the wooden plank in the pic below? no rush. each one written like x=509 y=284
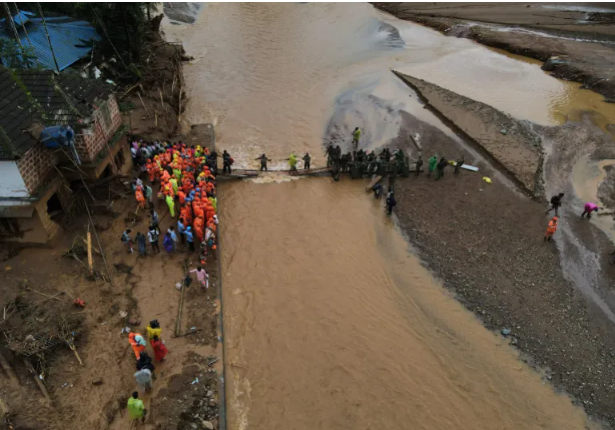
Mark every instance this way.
x=373 y=183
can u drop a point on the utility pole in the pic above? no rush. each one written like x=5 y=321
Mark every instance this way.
x=48 y=38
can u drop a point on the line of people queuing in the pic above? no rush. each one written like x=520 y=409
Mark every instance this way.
x=145 y=369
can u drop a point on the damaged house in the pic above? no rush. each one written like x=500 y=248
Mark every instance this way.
x=36 y=172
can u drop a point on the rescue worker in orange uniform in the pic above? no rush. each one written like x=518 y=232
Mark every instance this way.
x=140 y=198
x=551 y=229
x=137 y=342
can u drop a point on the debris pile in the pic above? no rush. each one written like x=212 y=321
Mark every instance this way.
x=33 y=330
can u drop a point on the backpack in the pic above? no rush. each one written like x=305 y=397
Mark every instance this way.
x=154 y=235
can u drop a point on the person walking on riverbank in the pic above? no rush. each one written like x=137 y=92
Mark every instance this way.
x=136 y=410
x=160 y=349
x=418 y=166
x=556 y=203
x=589 y=208
x=141 y=244
x=458 y=165
x=152 y=235
x=126 y=239
x=391 y=203
x=433 y=161
x=137 y=343
x=167 y=243
x=155 y=219
x=551 y=229
x=144 y=379
x=356 y=135
x=140 y=198
x=202 y=277
x=441 y=165
x=378 y=189
x=263 y=159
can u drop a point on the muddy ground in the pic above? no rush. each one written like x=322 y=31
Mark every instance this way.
x=575 y=45
x=142 y=289
x=485 y=241
x=94 y=395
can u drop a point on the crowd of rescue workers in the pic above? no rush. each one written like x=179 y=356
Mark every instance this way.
x=187 y=176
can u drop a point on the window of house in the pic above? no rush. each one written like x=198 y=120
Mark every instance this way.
x=106 y=115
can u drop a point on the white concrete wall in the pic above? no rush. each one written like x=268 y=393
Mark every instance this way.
x=11 y=182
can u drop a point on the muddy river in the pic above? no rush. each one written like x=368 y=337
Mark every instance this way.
x=331 y=321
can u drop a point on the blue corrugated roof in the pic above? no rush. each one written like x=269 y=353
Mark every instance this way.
x=64 y=33
x=21 y=18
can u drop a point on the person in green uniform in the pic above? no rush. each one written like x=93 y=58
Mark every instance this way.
x=149 y=195
x=136 y=410
x=433 y=161
x=356 y=135
x=171 y=205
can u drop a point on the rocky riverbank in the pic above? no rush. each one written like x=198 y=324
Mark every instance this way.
x=485 y=242
x=574 y=45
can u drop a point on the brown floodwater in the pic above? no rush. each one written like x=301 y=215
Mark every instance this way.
x=331 y=322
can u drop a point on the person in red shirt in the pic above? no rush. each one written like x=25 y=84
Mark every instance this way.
x=160 y=350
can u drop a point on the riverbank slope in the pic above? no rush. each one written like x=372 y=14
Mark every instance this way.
x=574 y=42
x=485 y=241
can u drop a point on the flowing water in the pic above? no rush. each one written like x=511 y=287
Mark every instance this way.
x=331 y=322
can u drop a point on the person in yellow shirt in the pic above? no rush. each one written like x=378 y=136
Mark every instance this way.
x=153 y=329
x=136 y=409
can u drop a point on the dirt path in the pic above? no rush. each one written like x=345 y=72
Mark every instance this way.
x=143 y=289
x=575 y=45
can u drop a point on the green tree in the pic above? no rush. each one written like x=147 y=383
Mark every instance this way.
x=14 y=57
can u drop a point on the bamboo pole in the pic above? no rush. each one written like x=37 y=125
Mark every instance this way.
x=146 y=111
x=90 y=262
x=178 y=323
x=102 y=253
x=74 y=349
x=38 y=381
x=129 y=90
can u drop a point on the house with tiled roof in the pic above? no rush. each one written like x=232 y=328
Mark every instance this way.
x=35 y=186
